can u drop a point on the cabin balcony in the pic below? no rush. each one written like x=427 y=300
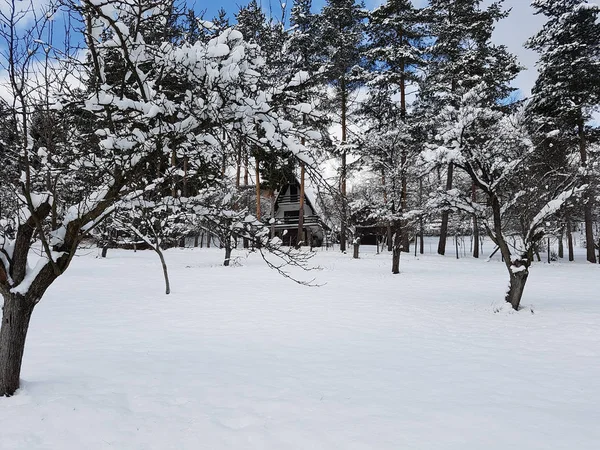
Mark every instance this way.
x=288 y=199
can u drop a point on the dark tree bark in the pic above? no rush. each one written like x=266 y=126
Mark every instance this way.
x=421 y=225
x=13 y=332
x=257 y=175
x=343 y=168
x=227 y=255
x=246 y=168
x=588 y=197
x=570 y=240
x=561 y=247
x=301 y=210
x=445 y=215
x=164 y=268
x=518 y=269
x=589 y=230
x=516 y=288
x=475 y=225
x=356 y=249
x=396 y=251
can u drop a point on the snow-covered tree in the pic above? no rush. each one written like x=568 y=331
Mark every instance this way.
x=341 y=38
x=142 y=119
x=461 y=57
x=395 y=34
x=567 y=91
x=496 y=151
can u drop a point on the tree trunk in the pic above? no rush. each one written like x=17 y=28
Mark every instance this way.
x=356 y=249
x=104 y=251
x=227 y=255
x=173 y=165
x=456 y=245
x=445 y=215
x=475 y=237
x=404 y=156
x=164 y=268
x=343 y=167
x=185 y=176
x=588 y=197
x=561 y=247
x=16 y=314
x=396 y=251
x=589 y=231
x=246 y=167
x=301 y=210
x=272 y=232
x=475 y=224
x=516 y=288
x=570 y=239
x=421 y=226
x=257 y=176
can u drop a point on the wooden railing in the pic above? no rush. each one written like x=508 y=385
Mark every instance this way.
x=308 y=220
x=287 y=199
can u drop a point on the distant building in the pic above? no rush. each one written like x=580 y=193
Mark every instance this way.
x=287 y=214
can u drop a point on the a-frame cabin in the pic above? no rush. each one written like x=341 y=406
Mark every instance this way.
x=287 y=214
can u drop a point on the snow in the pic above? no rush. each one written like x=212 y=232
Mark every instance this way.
x=239 y=357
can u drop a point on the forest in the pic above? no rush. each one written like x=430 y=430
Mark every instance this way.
x=145 y=126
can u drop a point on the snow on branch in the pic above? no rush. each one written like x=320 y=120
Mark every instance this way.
x=551 y=208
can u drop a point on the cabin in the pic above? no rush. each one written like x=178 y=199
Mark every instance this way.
x=287 y=215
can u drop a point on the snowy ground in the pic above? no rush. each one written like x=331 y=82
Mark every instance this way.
x=240 y=358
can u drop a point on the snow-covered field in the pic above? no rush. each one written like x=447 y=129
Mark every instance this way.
x=241 y=358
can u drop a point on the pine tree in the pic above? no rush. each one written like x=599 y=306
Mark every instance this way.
x=567 y=90
x=462 y=57
x=302 y=58
x=395 y=36
x=341 y=38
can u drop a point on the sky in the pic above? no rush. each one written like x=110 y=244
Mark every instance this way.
x=512 y=31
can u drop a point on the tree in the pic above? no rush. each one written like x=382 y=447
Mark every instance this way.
x=567 y=92
x=302 y=51
x=157 y=223
x=495 y=149
x=139 y=121
x=341 y=36
x=395 y=37
x=460 y=58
